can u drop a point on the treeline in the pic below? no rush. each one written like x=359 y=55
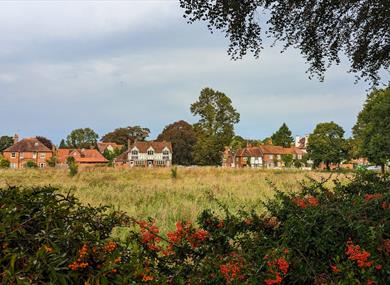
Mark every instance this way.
x=202 y=143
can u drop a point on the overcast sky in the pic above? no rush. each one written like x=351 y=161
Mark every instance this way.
x=66 y=65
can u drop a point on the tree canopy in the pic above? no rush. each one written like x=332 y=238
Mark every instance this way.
x=5 y=142
x=122 y=135
x=321 y=29
x=282 y=137
x=183 y=138
x=82 y=138
x=372 y=129
x=215 y=128
x=327 y=144
x=45 y=141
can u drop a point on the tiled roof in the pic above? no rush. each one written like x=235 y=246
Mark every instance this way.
x=268 y=149
x=28 y=145
x=157 y=146
x=102 y=146
x=81 y=155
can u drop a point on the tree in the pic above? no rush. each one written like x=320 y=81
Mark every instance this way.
x=123 y=135
x=183 y=138
x=372 y=129
x=45 y=141
x=63 y=144
x=327 y=144
x=82 y=138
x=31 y=164
x=5 y=142
x=282 y=137
x=111 y=155
x=4 y=163
x=72 y=166
x=288 y=160
x=52 y=161
x=321 y=29
x=215 y=128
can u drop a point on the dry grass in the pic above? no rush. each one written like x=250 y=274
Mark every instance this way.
x=153 y=193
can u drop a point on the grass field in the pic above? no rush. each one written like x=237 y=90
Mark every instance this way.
x=153 y=193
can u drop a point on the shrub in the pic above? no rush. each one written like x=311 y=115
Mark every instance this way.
x=174 y=172
x=319 y=236
x=4 y=163
x=72 y=166
x=31 y=164
x=52 y=162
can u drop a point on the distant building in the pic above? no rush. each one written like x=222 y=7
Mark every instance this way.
x=83 y=157
x=110 y=146
x=301 y=142
x=146 y=154
x=28 y=149
x=265 y=156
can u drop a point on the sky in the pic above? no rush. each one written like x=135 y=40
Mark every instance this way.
x=109 y=64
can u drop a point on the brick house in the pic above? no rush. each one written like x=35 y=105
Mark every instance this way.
x=265 y=156
x=83 y=157
x=28 y=149
x=146 y=154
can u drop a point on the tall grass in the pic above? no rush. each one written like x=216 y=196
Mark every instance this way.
x=153 y=193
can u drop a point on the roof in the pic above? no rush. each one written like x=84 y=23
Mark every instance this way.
x=157 y=146
x=28 y=145
x=268 y=149
x=250 y=151
x=81 y=155
x=102 y=146
x=143 y=148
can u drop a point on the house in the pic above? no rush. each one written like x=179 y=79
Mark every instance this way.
x=28 y=149
x=301 y=142
x=83 y=157
x=266 y=156
x=110 y=146
x=146 y=154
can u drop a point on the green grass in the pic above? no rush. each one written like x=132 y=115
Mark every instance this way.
x=153 y=193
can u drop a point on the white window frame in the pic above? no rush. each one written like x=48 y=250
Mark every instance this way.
x=13 y=154
x=42 y=155
x=150 y=152
x=34 y=154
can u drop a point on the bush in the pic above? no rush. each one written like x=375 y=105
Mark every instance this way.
x=319 y=236
x=4 y=163
x=31 y=164
x=72 y=165
x=52 y=161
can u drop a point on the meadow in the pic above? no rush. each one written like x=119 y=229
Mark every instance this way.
x=153 y=193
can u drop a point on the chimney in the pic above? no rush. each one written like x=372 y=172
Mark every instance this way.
x=16 y=138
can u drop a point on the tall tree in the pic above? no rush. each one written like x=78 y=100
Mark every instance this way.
x=183 y=138
x=321 y=29
x=372 y=129
x=122 y=135
x=45 y=141
x=215 y=128
x=282 y=137
x=327 y=144
x=82 y=138
x=63 y=144
x=5 y=142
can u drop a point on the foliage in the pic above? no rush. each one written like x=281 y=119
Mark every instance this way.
x=320 y=29
x=215 y=128
x=372 y=130
x=5 y=142
x=123 y=135
x=46 y=142
x=31 y=164
x=63 y=144
x=72 y=166
x=4 y=163
x=282 y=137
x=318 y=236
x=111 y=155
x=237 y=143
x=174 y=172
x=183 y=138
x=52 y=161
x=287 y=159
x=82 y=138
x=327 y=144
x=298 y=163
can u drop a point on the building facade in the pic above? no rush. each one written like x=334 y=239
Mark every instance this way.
x=83 y=157
x=146 y=154
x=28 y=149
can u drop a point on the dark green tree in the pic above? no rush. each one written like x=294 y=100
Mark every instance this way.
x=82 y=138
x=215 y=128
x=72 y=166
x=323 y=30
x=5 y=142
x=31 y=164
x=122 y=135
x=63 y=144
x=45 y=141
x=372 y=129
x=282 y=137
x=327 y=144
x=183 y=138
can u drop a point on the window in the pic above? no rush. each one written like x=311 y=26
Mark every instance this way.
x=299 y=156
x=41 y=165
x=278 y=156
x=13 y=154
x=134 y=152
x=34 y=155
x=12 y=165
x=43 y=155
x=271 y=156
x=150 y=152
x=21 y=155
x=160 y=162
x=165 y=152
x=165 y=155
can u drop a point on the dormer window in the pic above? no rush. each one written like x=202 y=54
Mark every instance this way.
x=166 y=152
x=150 y=152
x=134 y=152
